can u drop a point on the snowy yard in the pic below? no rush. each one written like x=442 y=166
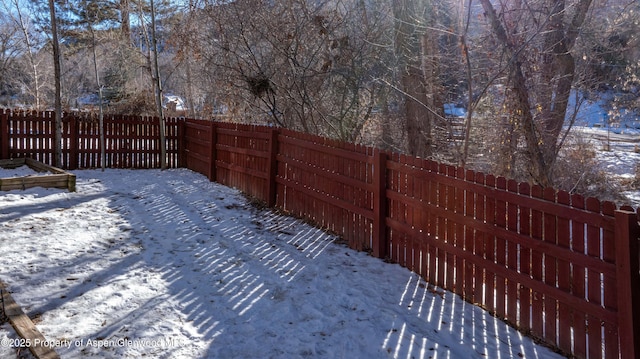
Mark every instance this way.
x=168 y=265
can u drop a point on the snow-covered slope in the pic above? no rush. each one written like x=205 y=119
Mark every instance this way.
x=168 y=265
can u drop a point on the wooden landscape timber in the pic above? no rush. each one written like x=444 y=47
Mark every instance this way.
x=56 y=178
x=33 y=339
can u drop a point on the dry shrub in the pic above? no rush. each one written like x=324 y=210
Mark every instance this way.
x=577 y=170
x=634 y=182
x=137 y=104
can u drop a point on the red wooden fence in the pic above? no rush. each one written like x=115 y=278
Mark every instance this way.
x=329 y=183
x=130 y=141
x=235 y=155
x=543 y=260
x=563 y=268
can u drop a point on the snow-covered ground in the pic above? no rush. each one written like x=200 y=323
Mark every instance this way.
x=618 y=156
x=616 y=140
x=22 y=171
x=168 y=265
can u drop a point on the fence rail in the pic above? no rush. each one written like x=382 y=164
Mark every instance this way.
x=558 y=266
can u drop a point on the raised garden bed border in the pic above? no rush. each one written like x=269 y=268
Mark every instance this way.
x=58 y=179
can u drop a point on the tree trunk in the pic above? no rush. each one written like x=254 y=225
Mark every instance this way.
x=434 y=105
x=538 y=168
x=125 y=25
x=541 y=106
x=58 y=87
x=417 y=117
x=158 y=86
x=559 y=71
x=100 y=98
x=416 y=76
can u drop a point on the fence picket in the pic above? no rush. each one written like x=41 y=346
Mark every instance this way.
x=394 y=210
x=524 y=292
x=594 y=285
x=459 y=235
x=479 y=249
x=434 y=252
x=578 y=280
x=469 y=211
x=442 y=229
x=537 y=308
x=490 y=246
x=450 y=231
x=4 y=133
x=550 y=269
x=513 y=250
x=501 y=249
x=609 y=286
x=564 y=277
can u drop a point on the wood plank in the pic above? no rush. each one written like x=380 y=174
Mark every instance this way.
x=404 y=217
x=442 y=231
x=538 y=245
x=393 y=210
x=535 y=202
x=469 y=241
x=450 y=234
x=524 y=293
x=578 y=278
x=60 y=178
x=459 y=279
x=610 y=286
x=550 y=271
x=4 y=133
x=512 y=257
x=564 y=276
x=409 y=190
x=501 y=251
x=419 y=248
x=25 y=327
x=337 y=151
x=537 y=314
x=594 y=284
x=13 y=162
x=604 y=314
x=433 y=226
x=479 y=249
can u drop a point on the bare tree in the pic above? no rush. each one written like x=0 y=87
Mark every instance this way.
x=301 y=65
x=90 y=14
x=540 y=67
x=34 y=81
x=9 y=52
x=417 y=53
x=185 y=39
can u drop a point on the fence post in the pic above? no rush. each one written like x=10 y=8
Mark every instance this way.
x=212 y=153
x=4 y=134
x=379 y=240
x=272 y=168
x=627 y=236
x=73 y=142
x=181 y=143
